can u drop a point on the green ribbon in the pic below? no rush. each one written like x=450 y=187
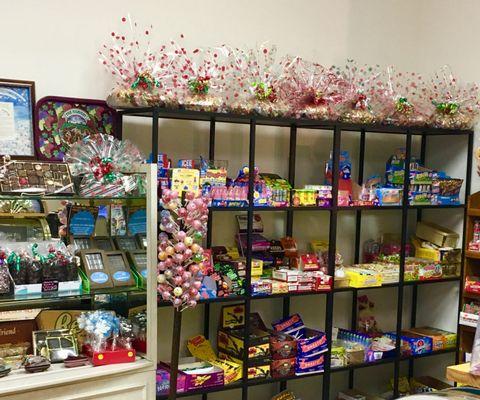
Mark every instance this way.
x=14 y=258
x=403 y=106
x=199 y=85
x=145 y=81
x=263 y=91
x=37 y=256
x=447 y=107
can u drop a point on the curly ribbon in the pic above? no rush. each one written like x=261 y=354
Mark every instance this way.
x=402 y=105
x=14 y=258
x=103 y=169
x=447 y=107
x=263 y=91
x=361 y=103
x=40 y=257
x=145 y=81
x=200 y=84
x=318 y=98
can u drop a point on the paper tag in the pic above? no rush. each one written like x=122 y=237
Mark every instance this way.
x=49 y=286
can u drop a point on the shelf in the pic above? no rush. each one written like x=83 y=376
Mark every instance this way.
x=472 y=254
x=20 y=380
x=69 y=198
x=474 y=212
x=285 y=122
x=44 y=299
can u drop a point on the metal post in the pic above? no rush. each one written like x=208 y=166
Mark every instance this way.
x=332 y=249
x=405 y=204
x=248 y=277
x=155 y=115
x=177 y=327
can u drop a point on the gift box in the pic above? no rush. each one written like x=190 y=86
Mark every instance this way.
x=192 y=375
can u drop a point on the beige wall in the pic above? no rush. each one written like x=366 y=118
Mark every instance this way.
x=55 y=42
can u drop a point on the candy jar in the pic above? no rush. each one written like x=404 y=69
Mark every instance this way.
x=400 y=98
x=456 y=104
x=359 y=80
x=314 y=90
x=141 y=75
x=256 y=82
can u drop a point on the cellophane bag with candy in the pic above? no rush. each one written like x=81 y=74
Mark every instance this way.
x=314 y=91
x=400 y=98
x=455 y=104
x=142 y=75
x=359 y=82
x=5 y=280
x=256 y=79
x=17 y=262
x=199 y=77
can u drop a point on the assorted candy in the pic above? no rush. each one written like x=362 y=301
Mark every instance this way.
x=259 y=81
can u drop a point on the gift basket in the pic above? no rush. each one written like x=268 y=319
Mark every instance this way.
x=108 y=337
x=101 y=163
x=256 y=78
x=359 y=92
x=142 y=76
x=401 y=98
x=199 y=77
x=456 y=105
x=314 y=90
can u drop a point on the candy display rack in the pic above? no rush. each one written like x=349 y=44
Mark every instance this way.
x=136 y=377
x=336 y=130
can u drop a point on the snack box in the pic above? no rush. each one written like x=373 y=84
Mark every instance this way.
x=389 y=196
x=283 y=368
x=441 y=340
x=192 y=375
x=436 y=234
x=257 y=369
x=282 y=346
x=304 y=197
x=307 y=262
x=261 y=287
x=322 y=282
x=312 y=344
x=285 y=275
x=363 y=278
x=307 y=365
x=279 y=287
x=201 y=348
x=413 y=344
x=468 y=319
x=472 y=284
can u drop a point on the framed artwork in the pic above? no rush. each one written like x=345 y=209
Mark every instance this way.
x=17 y=104
x=62 y=121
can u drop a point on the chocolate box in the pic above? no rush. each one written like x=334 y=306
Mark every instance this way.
x=257 y=369
x=16 y=332
x=282 y=346
x=309 y=365
x=282 y=368
x=313 y=343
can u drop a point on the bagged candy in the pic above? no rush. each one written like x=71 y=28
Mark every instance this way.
x=17 y=266
x=456 y=105
x=5 y=279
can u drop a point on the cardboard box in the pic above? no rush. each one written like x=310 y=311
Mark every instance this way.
x=15 y=332
x=436 y=234
x=61 y=319
x=441 y=340
x=257 y=369
x=282 y=346
x=285 y=275
x=413 y=344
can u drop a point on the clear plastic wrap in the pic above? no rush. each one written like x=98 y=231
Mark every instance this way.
x=400 y=98
x=256 y=79
x=314 y=91
x=455 y=104
x=102 y=161
x=360 y=88
x=142 y=76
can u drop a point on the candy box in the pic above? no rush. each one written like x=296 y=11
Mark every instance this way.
x=307 y=365
x=472 y=284
x=307 y=262
x=305 y=287
x=290 y=246
x=230 y=337
x=279 y=287
x=192 y=375
x=322 y=282
x=282 y=346
x=285 y=275
x=283 y=368
x=261 y=287
x=363 y=278
x=389 y=196
x=257 y=369
x=441 y=340
x=312 y=343
x=429 y=270
x=304 y=197
x=413 y=344
x=277 y=252
x=292 y=325
x=436 y=234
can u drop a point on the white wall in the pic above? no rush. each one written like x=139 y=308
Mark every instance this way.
x=55 y=42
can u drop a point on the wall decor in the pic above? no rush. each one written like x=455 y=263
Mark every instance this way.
x=17 y=102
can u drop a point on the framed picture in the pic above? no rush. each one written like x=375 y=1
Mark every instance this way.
x=103 y=243
x=17 y=104
x=126 y=243
x=119 y=269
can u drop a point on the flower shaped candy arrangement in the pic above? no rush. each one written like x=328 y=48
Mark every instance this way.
x=258 y=81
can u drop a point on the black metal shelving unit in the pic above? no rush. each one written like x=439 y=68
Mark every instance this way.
x=336 y=129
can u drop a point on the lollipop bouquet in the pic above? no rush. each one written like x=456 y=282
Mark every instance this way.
x=456 y=105
x=183 y=224
x=315 y=91
x=103 y=161
x=142 y=75
x=108 y=337
x=256 y=79
x=199 y=77
x=401 y=99
x=359 y=90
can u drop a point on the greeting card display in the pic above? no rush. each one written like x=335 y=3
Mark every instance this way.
x=63 y=121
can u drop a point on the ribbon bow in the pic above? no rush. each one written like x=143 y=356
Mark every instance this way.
x=447 y=107
x=403 y=106
x=103 y=169
x=200 y=84
x=14 y=258
x=145 y=81
x=361 y=102
x=263 y=91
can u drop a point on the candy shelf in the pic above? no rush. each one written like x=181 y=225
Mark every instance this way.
x=335 y=129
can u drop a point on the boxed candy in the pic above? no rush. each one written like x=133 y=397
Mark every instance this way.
x=257 y=369
x=413 y=344
x=441 y=340
x=282 y=368
x=307 y=365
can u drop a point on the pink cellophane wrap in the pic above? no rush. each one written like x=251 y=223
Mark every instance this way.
x=141 y=75
x=312 y=90
x=455 y=105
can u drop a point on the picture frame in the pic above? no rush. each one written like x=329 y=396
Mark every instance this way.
x=126 y=243
x=104 y=243
x=119 y=267
x=17 y=118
